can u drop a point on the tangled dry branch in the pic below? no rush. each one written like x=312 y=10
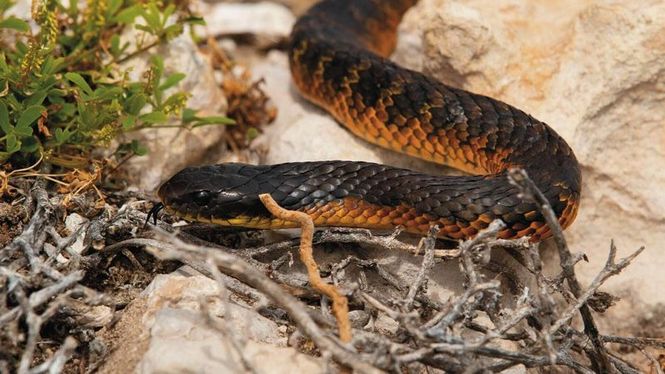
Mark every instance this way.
x=484 y=328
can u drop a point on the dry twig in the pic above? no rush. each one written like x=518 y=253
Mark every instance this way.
x=529 y=191
x=479 y=329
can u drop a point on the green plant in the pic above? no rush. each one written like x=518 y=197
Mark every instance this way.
x=62 y=90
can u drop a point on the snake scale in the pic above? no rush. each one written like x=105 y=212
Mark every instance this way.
x=338 y=60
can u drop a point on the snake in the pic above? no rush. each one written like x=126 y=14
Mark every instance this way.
x=339 y=60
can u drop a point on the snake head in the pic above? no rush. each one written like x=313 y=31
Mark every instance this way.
x=212 y=193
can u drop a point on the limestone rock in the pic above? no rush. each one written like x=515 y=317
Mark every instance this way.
x=264 y=20
x=73 y=224
x=359 y=318
x=386 y=325
x=171 y=334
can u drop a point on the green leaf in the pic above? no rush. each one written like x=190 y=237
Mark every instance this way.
x=113 y=6
x=156 y=70
x=27 y=118
x=52 y=65
x=4 y=119
x=86 y=117
x=35 y=99
x=14 y=23
x=62 y=135
x=11 y=101
x=145 y=28
x=21 y=47
x=30 y=145
x=78 y=80
x=6 y=4
x=48 y=66
x=188 y=115
x=151 y=16
x=158 y=65
x=23 y=131
x=3 y=63
x=138 y=148
x=73 y=8
x=135 y=103
x=154 y=117
x=4 y=88
x=128 y=122
x=115 y=45
x=214 y=120
x=128 y=15
x=167 y=13
x=252 y=133
x=67 y=110
x=194 y=20
x=13 y=144
x=171 y=32
x=107 y=93
x=172 y=80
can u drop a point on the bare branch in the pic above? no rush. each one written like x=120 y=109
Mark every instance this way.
x=529 y=191
x=426 y=245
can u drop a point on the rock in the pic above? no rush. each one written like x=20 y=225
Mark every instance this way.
x=73 y=222
x=358 y=318
x=92 y=316
x=385 y=325
x=22 y=10
x=593 y=71
x=187 y=293
x=172 y=334
x=265 y=21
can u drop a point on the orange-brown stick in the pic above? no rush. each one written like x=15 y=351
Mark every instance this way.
x=340 y=304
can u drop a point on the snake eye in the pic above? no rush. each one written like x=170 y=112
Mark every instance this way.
x=202 y=197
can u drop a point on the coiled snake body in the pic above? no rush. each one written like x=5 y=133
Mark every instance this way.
x=338 y=61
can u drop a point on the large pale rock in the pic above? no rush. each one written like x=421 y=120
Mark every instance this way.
x=166 y=331
x=265 y=20
x=591 y=69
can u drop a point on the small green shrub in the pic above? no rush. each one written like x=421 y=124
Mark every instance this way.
x=62 y=91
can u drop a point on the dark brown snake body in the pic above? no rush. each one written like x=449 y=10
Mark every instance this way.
x=338 y=61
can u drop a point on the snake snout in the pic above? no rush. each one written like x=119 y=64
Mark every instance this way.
x=210 y=193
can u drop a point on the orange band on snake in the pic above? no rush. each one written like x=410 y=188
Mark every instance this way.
x=338 y=61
